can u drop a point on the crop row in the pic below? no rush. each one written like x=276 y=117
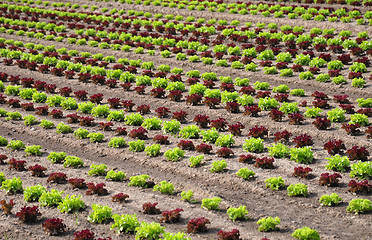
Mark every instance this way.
x=307 y=13
x=282 y=59
x=103 y=213
x=173 y=127
x=214 y=97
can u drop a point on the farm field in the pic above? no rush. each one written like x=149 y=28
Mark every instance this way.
x=172 y=119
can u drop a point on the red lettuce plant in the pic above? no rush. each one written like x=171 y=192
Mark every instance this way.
x=322 y=123
x=263 y=94
x=265 y=162
x=192 y=81
x=349 y=108
x=7 y=207
x=39 y=85
x=232 y=107
x=303 y=140
x=161 y=139
x=365 y=111
x=158 y=92
x=84 y=77
x=252 y=111
x=86 y=121
x=3 y=158
x=172 y=216
x=358 y=153
x=120 y=197
x=219 y=124
x=106 y=126
x=276 y=115
x=194 y=99
x=37 y=170
x=17 y=165
x=128 y=105
x=114 y=102
x=175 y=95
x=225 y=152
x=139 y=133
x=334 y=73
x=57 y=71
x=331 y=180
x=249 y=158
x=230 y=87
x=180 y=116
x=150 y=208
x=96 y=98
x=197 y=225
x=98 y=79
x=2 y=98
x=212 y=102
x=14 y=103
x=54 y=226
x=56 y=113
x=334 y=146
x=296 y=118
x=85 y=234
x=284 y=135
x=258 y=132
x=281 y=97
x=57 y=177
x=77 y=183
x=229 y=235
x=162 y=112
x=204 y=148
x=43 y=110
x=186 y=145
x=201 y=120
x=28 y=214
x=319 y=95
x=65 y=91
x=81 y=94
x=143 y=109
x=50 y=88
x=126 y=86
x=249 y=90
x=73 y=118
x=302 y=172
x=236 y=129
x=351 y=129
x=96 y=189
x=360 y=187
x=121 y=131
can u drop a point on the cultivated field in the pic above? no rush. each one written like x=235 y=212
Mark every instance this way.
x=162 y=119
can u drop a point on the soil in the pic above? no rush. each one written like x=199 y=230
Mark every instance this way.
x=294 y=212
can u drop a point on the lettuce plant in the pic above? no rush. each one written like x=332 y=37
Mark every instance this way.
x=275 y=183
x=125 y=223
x=174 y=154
x=297 y=189
x=338 y=163
x=115 y=176
x=306 y=233
x=359 y=206
x=100 y=213
x=12 y=186
x=211 y=203
x=139 y=181
x=330 y=200
x=268 y=224
x=97 y=170
x=302 y=155
x=33 y=193
x=164 y=187
x=71 y=204
x=253 y=145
